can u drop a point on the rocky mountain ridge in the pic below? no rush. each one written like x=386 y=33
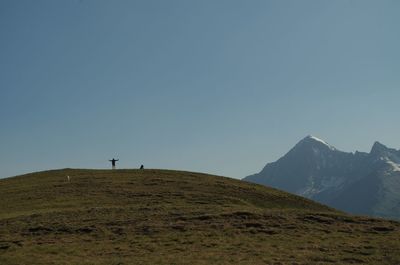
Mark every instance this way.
x=360 y=183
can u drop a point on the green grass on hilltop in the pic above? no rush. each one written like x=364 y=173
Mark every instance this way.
x=174 y=217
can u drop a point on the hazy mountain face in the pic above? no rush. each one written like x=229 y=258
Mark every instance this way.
x=360 y=183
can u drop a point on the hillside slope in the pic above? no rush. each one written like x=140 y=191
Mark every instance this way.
x=173 y=217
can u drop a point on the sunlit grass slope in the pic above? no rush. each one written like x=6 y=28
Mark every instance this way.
x=174 y=217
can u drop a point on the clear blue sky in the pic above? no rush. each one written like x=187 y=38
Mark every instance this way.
x=216 y=86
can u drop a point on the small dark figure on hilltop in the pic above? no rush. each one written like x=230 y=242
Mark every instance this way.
x=141 y=167
x=113 y=162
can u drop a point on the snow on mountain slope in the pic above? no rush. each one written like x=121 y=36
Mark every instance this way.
x=395 y=167
x=321 y=141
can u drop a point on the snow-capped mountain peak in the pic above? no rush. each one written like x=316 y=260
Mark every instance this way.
x=311 y=138
x=361 y=183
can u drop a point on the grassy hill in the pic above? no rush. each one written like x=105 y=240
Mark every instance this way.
x=173 y=217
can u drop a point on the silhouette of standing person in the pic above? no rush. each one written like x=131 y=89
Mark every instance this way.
x=141 y=167
x=113 y=162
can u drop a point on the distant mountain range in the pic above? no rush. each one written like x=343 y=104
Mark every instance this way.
x=360 y=183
